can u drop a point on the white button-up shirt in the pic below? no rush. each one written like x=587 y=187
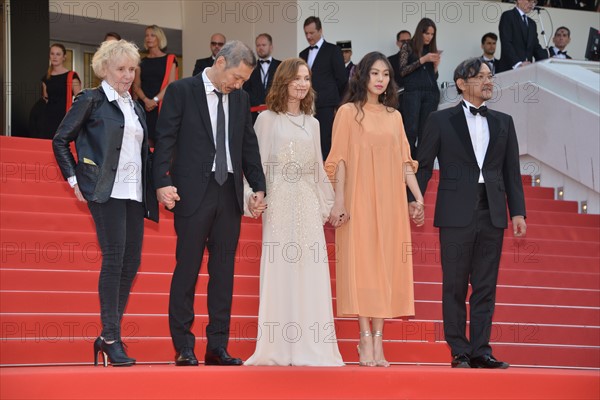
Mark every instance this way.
x=480 y=135
x=213 y=103
x=128 y=179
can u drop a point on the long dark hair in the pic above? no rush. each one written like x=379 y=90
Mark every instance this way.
x=417 y=40
x=358 y=84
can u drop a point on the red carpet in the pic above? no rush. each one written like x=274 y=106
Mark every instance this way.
x=547 y=314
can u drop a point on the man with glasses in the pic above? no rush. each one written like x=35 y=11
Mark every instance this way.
x=519 y=37
x=401 y=38
x=479 y=172
x=217 y=41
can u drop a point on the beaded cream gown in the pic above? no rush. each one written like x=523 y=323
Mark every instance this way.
x=295 y=318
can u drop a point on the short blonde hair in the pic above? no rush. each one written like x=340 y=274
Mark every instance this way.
x=160 y=35
x=112 y=50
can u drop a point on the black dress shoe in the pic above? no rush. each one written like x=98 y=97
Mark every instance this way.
x=461 y=361
x=488 y=361
x=186 y=357
x=219 y=356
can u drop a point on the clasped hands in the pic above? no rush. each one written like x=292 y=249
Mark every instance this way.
x=167 y=196
x=416 y=209
x=338 y=215
x=257 y=204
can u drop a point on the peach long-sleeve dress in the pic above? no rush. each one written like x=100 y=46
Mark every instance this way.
x=374 y=270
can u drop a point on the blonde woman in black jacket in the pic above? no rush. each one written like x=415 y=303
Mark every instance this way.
x=111 y=139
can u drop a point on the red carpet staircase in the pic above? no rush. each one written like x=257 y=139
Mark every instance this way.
x=548 y=303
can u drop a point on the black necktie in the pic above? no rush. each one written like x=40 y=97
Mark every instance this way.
x=313 y=47
x=525 y=20
x=562 y=52
x=481 y=110
x=221 y=157
x=264 y=61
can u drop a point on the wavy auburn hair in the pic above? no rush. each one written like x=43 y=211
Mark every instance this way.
x=277 y=99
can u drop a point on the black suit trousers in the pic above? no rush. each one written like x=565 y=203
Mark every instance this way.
x=325 y=116
x=216 y=225
x=470 y=254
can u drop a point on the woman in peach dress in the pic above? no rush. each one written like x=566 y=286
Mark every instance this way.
x=370 y=166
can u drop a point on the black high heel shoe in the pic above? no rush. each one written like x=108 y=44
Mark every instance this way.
x=114 y=352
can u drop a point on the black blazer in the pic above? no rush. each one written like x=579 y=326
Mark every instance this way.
x=185 y=147
x=554 y=52
x=96 y=125
x=201 y=64
x=519 y=43
x=446 y=136
x=329 y=77
x=395 y=61
x=254 y=85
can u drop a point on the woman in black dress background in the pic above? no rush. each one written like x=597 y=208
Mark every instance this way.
x=54 y=91
x=150 y=82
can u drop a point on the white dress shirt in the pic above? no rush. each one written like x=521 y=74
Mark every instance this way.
x=128 y=180
x=213 y=102
x=479 y=132
x=264 y=71
x=312 y=53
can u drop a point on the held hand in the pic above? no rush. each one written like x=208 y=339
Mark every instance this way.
x=416 y=209
x=78 y=194
x=519 y=226
x=524 y=64
x=257 y=204
x=167 y=196
x=150 y=104
x=338 y=215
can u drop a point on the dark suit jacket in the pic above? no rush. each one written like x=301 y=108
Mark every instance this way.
x=554 y=51
x=395 y=61
x=254 y=85
x=519 y=43
x=96 y=125
x=185 y=147
x=201 y=64
x=329 y=76
x=446 y=136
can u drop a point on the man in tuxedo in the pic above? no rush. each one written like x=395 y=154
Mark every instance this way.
x=488 y=45
x=262 y=76
x=401 y=38
x=217 y=41
x=562 y=37
x=346 y=47
x=479 y=170
x=519 y=37
x=329 y=77
x=205 y=145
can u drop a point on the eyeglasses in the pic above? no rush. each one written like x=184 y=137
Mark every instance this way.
x=483 y=78
x=217 y=43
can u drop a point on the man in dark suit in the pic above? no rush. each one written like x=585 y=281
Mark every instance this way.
x=562 y=37
x=217 y=41
x=262 y=76
x=488 y=45
x=479 y=170
x=205 y=145
x=519 y=37
x=329 y=77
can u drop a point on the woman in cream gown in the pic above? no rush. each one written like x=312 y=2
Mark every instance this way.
x=295 y=318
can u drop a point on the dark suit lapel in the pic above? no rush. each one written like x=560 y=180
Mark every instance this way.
x=234 y=100
x=199 y=92
x=320 y=54
x=138 y=110
x=494 y=129
x=459 y=123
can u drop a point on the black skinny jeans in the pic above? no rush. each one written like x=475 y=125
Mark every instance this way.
x=120 y=231
x=417 y=105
